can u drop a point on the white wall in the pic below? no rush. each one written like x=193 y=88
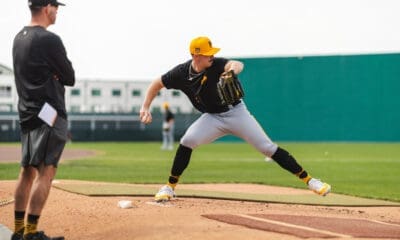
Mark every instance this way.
x=85 y=102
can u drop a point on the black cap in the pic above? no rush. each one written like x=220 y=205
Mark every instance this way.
x=43 y=3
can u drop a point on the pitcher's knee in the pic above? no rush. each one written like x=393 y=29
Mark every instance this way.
x=268 y=149
x=190 y=142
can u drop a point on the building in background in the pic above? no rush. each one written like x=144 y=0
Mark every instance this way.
x=99 y=96
x=101 y=110
x=8 y=92
x=116 y=96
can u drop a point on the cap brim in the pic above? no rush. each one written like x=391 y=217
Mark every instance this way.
x=60 y=4
x=212 y=51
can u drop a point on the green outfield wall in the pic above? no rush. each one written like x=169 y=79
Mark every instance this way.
x=104 y=127
x=314 y=98
x=325 y=98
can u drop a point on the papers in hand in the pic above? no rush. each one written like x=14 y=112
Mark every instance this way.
x=48 y=114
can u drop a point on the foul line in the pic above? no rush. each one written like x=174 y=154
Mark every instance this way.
x=385 y=223
x=295 y=226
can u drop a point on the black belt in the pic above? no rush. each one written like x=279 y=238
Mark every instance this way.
x=226 y=108
x=236 y=103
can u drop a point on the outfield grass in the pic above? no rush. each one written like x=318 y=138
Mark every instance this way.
x=360 y=169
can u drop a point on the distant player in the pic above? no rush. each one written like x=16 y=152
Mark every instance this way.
x=168 y=126
x=198 y=78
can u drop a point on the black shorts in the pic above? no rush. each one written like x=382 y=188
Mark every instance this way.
x=44 y=144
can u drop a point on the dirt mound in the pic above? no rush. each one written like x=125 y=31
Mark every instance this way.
x=81 y=217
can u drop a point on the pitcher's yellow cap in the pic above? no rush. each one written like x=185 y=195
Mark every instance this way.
x=202 y=46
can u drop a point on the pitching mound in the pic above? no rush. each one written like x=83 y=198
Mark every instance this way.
x=82 y=217
x=241 y=192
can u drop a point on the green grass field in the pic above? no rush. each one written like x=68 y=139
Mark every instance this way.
x=359 y=169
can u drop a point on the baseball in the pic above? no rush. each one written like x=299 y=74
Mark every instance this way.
x=125 y=204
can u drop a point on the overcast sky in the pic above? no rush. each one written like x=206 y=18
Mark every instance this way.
x=139 y=40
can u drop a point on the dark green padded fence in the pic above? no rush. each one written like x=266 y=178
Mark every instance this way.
x=109 y=129
x=316 y=98
x=129 y=130
x=325 y=98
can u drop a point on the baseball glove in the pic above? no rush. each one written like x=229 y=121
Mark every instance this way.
x=165 y=126
x=229 y=88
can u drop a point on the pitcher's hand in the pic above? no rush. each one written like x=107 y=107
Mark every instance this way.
x=145 y=116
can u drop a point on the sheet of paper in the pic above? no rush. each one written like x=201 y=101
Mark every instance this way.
x=48 y=114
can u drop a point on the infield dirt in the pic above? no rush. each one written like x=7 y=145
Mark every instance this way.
x=81 y=217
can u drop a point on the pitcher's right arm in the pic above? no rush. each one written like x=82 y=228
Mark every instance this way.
x=151 y=93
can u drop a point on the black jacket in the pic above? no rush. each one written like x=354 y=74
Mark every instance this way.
x=41 y=70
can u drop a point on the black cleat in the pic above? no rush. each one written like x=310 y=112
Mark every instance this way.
x=40 y=236
x=18 y=235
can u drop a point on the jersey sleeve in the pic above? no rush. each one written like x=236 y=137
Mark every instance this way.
x=58 y=60
x=220 y=64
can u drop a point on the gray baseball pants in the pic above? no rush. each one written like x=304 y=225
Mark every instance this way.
x=238 y=121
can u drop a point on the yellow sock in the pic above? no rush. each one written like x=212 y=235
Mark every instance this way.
x=303 y=175
x=30 y=228
x=172 y=185
x=18 y=225
x=19 y=221
x=31 y=225
x=306 y=179
x=173 y=181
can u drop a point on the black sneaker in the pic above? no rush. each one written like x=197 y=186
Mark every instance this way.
x=40 y=236
x=18 y=235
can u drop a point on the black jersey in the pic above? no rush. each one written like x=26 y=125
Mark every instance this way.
x=41 y=69
x=168 y=116
x=201 y=88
